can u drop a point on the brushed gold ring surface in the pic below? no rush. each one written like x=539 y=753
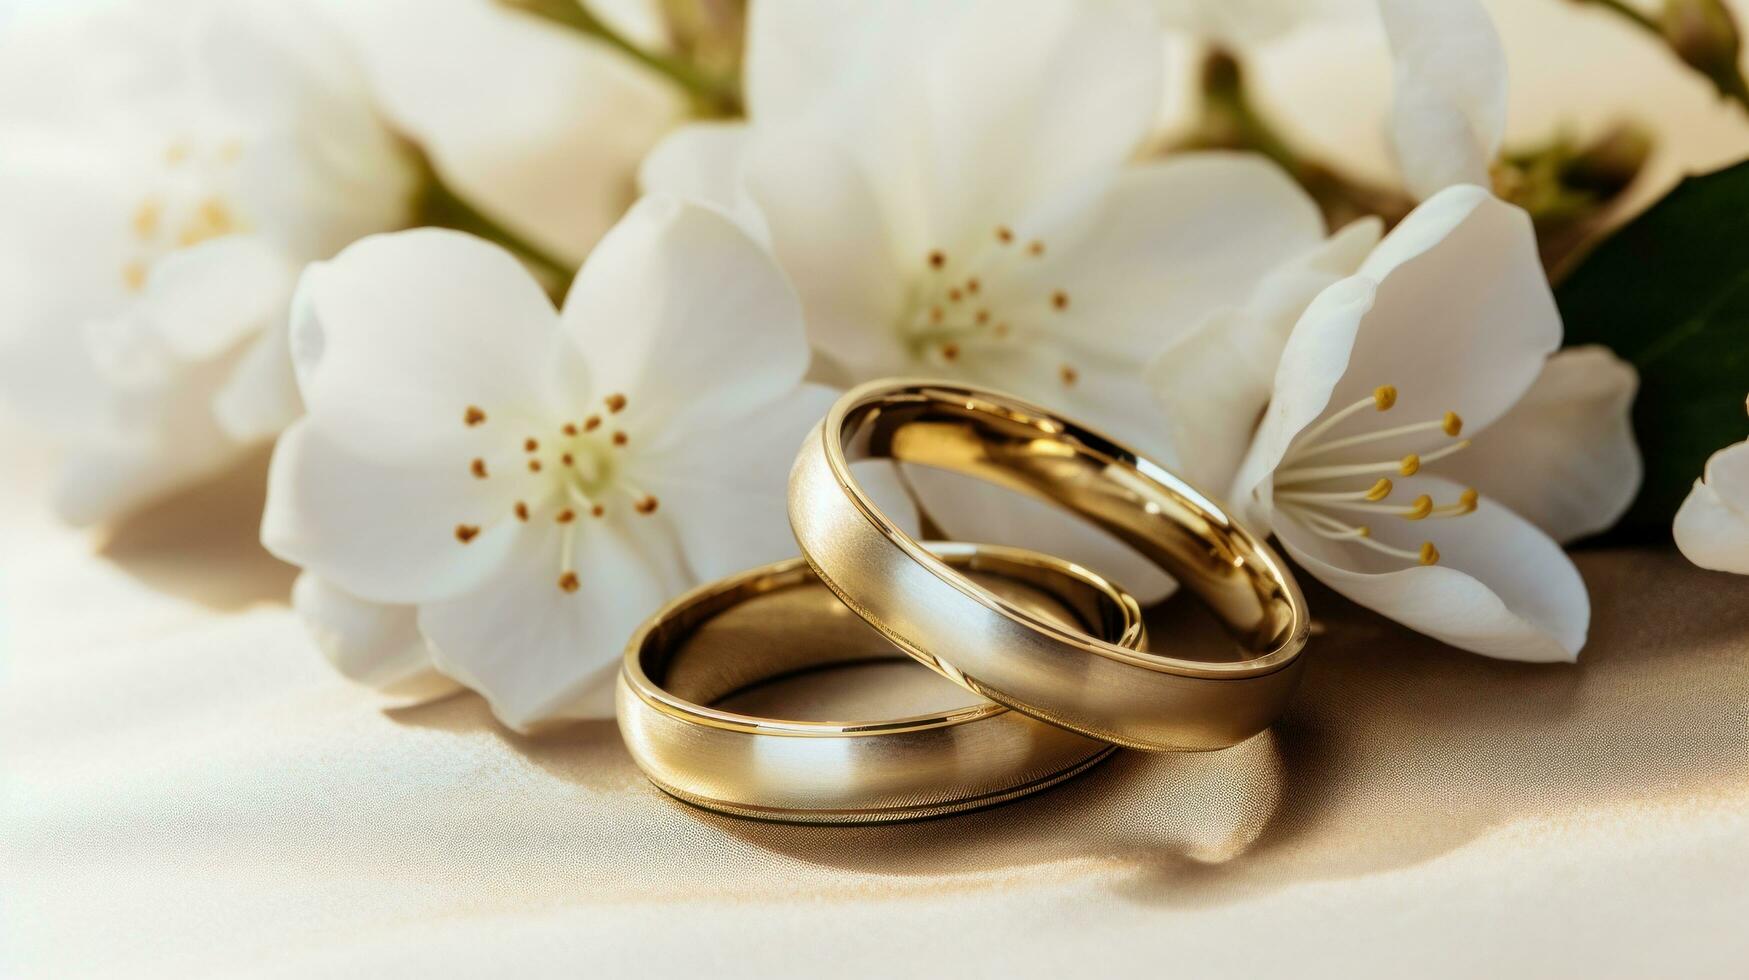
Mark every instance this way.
x=1079 y=682
x=778 y=620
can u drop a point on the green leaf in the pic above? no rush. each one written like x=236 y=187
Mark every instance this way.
x=1669 y=292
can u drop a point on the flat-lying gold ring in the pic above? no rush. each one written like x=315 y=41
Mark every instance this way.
x=717 y=640
x=1079 y=682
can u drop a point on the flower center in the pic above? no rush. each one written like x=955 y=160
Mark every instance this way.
x=564 y=474
x=954 y=312
x=1309 y=487
x=188 y=208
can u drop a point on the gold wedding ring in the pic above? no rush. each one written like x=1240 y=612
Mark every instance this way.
x=776 y=621
x=1007 y=653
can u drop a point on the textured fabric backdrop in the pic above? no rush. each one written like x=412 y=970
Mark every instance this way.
x=189 y=790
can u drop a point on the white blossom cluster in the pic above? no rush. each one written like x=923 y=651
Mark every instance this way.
x=213 y=240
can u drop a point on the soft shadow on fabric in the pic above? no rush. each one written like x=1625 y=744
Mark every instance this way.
x=204 y=544
x=1395 y=751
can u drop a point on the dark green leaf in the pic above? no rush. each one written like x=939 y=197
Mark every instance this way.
x=1669 y=292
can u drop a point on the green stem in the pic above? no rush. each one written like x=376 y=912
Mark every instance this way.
x=441 y=207
x=712 y=96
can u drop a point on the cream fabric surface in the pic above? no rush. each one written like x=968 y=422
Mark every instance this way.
x=188 y=790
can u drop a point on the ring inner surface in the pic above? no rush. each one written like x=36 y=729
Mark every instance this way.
x=1166 y=520
x=776 y=626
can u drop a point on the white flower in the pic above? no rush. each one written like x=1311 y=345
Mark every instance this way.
x=537 y=483
x=1246 y=23
x=953 y=189
x=539 y=126
x=1712 y=526
x=1414 y=439
x=1419 y=437
x=169 y=167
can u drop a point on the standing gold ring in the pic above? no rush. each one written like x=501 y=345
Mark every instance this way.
x=1079 y=682
x=777 y=621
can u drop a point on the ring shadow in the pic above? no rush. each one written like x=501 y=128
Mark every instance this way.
x=1396 y=750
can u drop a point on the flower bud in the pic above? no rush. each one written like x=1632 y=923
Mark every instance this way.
x=1703 y=34
x=1607 y=165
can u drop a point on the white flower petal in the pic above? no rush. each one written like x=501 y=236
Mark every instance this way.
x=829 y=232
x=205 y=299
x=705 y=163
x=962 y=126
x=1564 y=457
x=1450 y=91
x=725 y=490
x=539 y=654
x=537 y=125
x=399 y=335
x=1502 y=588
x=681 y=311
x=1464 y=315
x=261 y=397
x=1452 y=309
x=1214 y=383
x=1311 y=365
x=65 y=253
x=797 y=50
x=368 y=642
x=317 y=167
x=384 y=532
x=1248 y=23
x=1712 y=526
x=1171 y=242
x=1061 y=93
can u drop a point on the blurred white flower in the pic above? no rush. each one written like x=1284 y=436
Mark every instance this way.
x=1448 y=115
x=536 y=483
x=1245 y=23
x=1712 y=526
x=538 y=125
x=168 y=168
x=953 y=189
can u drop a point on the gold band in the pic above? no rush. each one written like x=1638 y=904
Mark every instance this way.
x=776 y=621
x=1082 y=683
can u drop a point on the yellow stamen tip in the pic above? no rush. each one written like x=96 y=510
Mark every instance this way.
x=1384 y=396
x=568 y=582
x=1380 y=490
x=1467 y=500
x=1410 y=465
x=1364 y=531
x=1421 y=508
x=1453 y=424
x=1429 y=554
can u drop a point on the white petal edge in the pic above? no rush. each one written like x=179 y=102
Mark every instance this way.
x=539 y=655
x=399 y=334
x=1449 y=114
x=705 y=163
x=679 y=309
x=1213 y=383
x=373 y=644
x=1712 y=525
x=383 y=532
x=1564 y=457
